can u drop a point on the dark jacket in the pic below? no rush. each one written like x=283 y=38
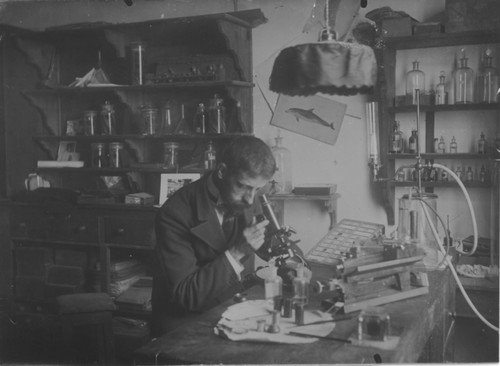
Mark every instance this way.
x=191 y=273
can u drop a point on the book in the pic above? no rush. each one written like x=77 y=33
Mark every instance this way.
x=315 y=189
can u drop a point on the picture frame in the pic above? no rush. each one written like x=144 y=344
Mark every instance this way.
x=67 y=151
x=171 y=182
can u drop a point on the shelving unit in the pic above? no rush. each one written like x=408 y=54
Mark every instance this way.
x=389 y=111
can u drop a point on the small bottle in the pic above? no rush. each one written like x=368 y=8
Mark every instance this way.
x=464 y=81
x=395 y=139
x=168 y=124
x=441 y=94
x=99 y=156
x=116 y=154
x=459 y=173
x=108 y=121
x=412 y=142
x=453 y=145
x=482 y=174
x=441 y=146
x=273 y=286
x=481 y=144
x=170 y=151
x=469 y=175
x=415 y=83
x=488 y=80
x=210 y=157
x=200 y=119
x=283 y=175
x=182 y=127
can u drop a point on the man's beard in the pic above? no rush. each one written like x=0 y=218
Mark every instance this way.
x=233 y=207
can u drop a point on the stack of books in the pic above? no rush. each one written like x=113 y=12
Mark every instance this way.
x=137 y=298
x=125 y=273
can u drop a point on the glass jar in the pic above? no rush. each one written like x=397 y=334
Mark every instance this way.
x=90 y=122
x=168 y=124
x=488 y=80
x=415 y=83
x=200 y=119
x=441 y=94
x=453 y=145
x=413 y=142
x=464 y=82
x=170 y=155
x=396 y=139
x=108 y=119
x=217 y=115
x=282 y=180
x=98 y=154
x=441 y=146
x=115 y=154
x=374 y=324
x=149 y=121
x=138 y=50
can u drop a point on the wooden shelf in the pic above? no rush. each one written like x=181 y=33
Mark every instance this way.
x=116 y=138
x=446 y=108
x=440 y=184
x=436 y=156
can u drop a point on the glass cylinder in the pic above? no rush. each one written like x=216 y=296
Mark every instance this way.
x=200 y=119
x=210 y=157
x=138 y=50
x=464 y=82
x=488 y=80
x=115 y=154
x=170 y=155
x=108 y=119
x=98 y=155
x=396 y=139
x=441 y=94
x=168 y=124
x=273 y=286
x=282 y=180
x=301 y=287
x=217 y=115
x=415 y=83
x=90 y=122
x=149 y=121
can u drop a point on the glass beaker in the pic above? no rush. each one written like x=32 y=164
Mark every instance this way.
x=413 y=227
x=115 y=154
x=108 y=120
x=138 y=50
x=149 y=121
x=89 y=122
x=98 y=155
x=170 y=155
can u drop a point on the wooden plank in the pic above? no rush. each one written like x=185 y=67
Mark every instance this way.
x=386 y=264
x=355 y=277
x=360 y=305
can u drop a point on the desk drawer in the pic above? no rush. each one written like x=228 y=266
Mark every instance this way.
x=129 y=231
x=29 y=222
x=77 y=227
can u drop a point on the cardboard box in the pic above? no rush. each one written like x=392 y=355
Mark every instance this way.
x=141 y=198
x=397 y=27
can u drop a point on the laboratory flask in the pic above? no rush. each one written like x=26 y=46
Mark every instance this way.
x=413 y=227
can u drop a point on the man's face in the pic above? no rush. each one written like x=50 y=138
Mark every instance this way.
x=238 y=192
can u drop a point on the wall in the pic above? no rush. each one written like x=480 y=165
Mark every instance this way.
x=345 y=163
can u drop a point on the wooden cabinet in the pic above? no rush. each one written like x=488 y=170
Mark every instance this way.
x=435 y=120
x=187 y=61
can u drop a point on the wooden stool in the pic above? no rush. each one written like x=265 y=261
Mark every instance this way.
x=92 y=310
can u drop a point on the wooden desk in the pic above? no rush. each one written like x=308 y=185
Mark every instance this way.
x=423 y=323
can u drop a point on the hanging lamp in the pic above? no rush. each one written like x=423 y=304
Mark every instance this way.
x=328 y=66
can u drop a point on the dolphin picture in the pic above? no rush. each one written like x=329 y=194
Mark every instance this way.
x=308 y=115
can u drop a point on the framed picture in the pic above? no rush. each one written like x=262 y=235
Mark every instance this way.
x=170 y=183
x=67 y=151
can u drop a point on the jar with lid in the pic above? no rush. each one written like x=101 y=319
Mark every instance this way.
x=415 y=83
x=90 y=122
x=168 y=124
x=170 y=155
x=464 y=81
x=138 y=50
x=283 y=177
x=108 y=119
x=488 y=80
x=98 y=155
x=115 y=154
x=149 y=120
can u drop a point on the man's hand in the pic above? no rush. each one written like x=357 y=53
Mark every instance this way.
x=253 y=238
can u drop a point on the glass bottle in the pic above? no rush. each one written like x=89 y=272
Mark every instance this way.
x=168 y=124
x=99 y=156
x=217 y=115
x=200 y=119
x=182 y=127
x=469 y=175
x=108 y=121
x=115 y=154
x=441 y=94
x=488 y=80
x=412 y=142
x=453 y=145
x=170 y=151
x=464 y=81
x=273 y=286
x=482 y=174
x=90 y=122
x=283 y=176
x=458 y=172
x=396 y=139
x=149 y=120
x=301 y=287
x=481 y=144
x=210 y=156
x=415 y=83
x=441 y=146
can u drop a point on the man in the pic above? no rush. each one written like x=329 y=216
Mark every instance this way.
x=198 y=262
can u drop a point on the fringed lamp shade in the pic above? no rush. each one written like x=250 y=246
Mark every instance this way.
x=324 y=67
